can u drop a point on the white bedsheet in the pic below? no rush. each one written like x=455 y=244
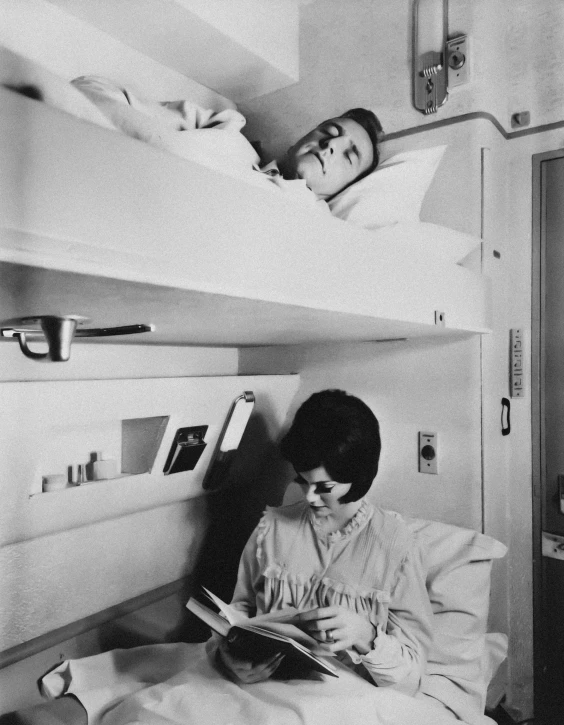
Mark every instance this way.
x=175 y=684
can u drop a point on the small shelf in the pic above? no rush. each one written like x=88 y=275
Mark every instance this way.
x=77 y=486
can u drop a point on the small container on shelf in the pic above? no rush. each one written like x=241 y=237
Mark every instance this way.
x=54 y=482
x=102 y=468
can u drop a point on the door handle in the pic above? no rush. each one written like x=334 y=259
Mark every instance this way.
x=505 y=417
x=560 y=479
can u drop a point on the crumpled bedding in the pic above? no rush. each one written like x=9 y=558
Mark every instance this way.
x=183 y=128
x=176 y=684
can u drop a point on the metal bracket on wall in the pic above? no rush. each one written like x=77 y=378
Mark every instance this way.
x=58 y=331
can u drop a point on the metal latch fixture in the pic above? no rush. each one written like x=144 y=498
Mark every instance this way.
x=58 y=331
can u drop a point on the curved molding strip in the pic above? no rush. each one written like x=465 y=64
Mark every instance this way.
x=475 y=115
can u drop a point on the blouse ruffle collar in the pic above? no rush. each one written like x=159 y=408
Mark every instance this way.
x=357 y=522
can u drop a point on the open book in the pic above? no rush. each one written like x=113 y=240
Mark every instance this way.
x=260 y=637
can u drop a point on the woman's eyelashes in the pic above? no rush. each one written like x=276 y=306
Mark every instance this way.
x=319 y=488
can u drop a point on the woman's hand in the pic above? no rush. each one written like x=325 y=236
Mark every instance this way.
x=245 y=672
x=339 y=628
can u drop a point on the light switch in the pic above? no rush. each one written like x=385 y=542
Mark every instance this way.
x=428 y=453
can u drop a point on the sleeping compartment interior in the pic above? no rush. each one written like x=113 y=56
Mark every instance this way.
x=246 y=292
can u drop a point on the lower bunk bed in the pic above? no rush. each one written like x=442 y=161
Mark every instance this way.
x=177 y=684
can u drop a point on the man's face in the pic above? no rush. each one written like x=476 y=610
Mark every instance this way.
x=331 y=156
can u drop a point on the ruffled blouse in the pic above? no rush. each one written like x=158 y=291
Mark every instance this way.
x=369 y=566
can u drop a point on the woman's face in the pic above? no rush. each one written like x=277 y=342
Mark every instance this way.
x=323 y=494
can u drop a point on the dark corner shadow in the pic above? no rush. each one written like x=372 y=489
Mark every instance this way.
x=256 y=478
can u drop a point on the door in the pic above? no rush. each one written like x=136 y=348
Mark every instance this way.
x=548 y=427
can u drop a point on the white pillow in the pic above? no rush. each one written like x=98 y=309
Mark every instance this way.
x=458 y=565
x=433 y=239
x=393 y=193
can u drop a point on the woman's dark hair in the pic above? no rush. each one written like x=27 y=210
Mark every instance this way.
x=339 y=432
x=370 y=123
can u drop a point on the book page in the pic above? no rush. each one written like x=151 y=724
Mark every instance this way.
x=212 y=619
x=285 y=630
x=234 y=616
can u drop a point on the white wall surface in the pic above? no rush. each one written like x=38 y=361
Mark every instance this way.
x=358 y=53
x=411 y=388
x=240 y=48
x=69 y=554
x=70 y=47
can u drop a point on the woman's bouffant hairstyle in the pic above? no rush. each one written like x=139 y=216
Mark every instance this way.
x=339 y=432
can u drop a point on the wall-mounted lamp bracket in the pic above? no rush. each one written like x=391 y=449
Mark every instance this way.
x=430 y=69
x=228 y=441
x=58 y=331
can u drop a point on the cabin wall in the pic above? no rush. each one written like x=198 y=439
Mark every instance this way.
x=358 y=53
x=508 y=461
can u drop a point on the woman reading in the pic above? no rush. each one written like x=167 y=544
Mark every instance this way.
x=349 y=566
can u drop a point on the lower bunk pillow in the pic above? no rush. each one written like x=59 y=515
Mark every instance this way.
x=392 y=193
x=461 y=662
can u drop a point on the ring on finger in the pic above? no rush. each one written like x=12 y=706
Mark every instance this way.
x=329 y=635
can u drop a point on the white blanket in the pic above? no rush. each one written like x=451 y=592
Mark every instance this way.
x=183 y=128
x=176 y=684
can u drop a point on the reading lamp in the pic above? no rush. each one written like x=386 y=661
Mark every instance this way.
x=228 y=441
x=430 y=68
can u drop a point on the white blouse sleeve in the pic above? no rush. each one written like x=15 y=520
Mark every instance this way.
x=398 y=656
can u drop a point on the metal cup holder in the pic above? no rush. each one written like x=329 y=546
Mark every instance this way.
x=58 y=331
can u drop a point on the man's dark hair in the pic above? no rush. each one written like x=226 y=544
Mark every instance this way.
x=370 y=123
x=339 y=432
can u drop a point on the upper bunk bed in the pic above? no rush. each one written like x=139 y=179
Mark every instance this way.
x=97 y=224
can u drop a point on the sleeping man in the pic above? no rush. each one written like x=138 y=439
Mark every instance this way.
x=333 y=156
x=318 y=166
